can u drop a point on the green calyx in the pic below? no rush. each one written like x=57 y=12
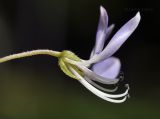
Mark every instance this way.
x=65 y=65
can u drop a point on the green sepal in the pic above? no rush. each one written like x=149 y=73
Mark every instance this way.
x=65 y=69
x=64 y=65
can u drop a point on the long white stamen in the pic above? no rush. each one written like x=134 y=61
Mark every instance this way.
x=100 y=94
x=100 y=87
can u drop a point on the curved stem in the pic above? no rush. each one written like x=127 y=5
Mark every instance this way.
x=30 y=53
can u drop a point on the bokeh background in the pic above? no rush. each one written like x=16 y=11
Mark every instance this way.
x=35 y=87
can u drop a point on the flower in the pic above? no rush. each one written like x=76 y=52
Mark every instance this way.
x=102 y=67
x=105 y=68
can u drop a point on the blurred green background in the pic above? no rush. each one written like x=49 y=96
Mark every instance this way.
x=35 y=87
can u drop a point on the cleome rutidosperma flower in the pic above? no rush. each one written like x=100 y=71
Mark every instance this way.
x=102 y=67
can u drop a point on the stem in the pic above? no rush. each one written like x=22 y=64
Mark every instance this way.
x=30 y=53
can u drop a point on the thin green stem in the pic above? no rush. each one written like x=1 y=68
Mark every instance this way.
x=30 y=53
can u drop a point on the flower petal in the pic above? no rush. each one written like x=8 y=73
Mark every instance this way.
x=108 y=68
x=101 y=30
x=118 y=39
x=92 y=53
x=100 y=43
x=109 y=31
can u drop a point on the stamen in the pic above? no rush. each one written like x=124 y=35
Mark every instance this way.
x=100 y=94
x=100 y=87
x=121 y=76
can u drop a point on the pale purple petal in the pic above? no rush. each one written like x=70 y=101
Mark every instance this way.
x=100 y=43
x=92 y=53
x=118 y=39
x=101 y=30
x=108 y=68
x=109 y=31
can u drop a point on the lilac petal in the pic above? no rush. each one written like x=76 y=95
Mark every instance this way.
x=100 y=44
x=118 y=39
x=108 y=68
x=109 y=31
x=92 y=53
x=101 y=30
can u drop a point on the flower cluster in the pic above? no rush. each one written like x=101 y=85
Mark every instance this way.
x=102 y=67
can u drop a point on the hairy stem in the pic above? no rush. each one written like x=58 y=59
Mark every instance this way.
x=30 y=53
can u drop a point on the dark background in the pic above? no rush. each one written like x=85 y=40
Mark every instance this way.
x=36 y=88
